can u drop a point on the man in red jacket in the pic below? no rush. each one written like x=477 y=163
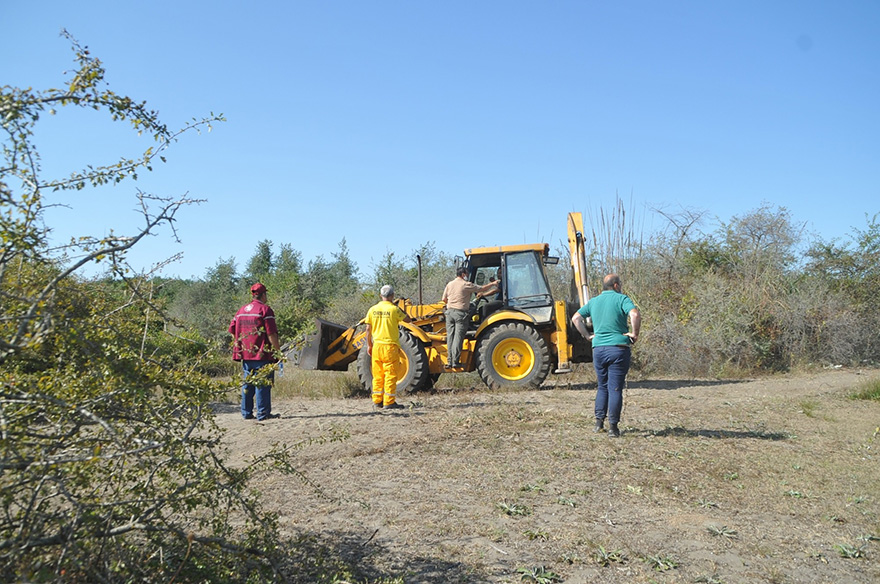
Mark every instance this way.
x=256 y=346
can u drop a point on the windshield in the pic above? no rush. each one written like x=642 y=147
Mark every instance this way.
x=526 y=282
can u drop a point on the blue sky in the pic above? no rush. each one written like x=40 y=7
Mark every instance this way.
x=398 y=123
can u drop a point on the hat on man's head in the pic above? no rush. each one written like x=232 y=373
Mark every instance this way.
x=257 y=289
x=386 y=291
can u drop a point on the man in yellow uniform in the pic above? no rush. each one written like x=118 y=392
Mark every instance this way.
x=383 y=345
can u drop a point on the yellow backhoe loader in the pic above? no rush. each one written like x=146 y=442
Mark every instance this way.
x=516 y=337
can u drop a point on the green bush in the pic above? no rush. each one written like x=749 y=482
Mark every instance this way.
x=111 y=468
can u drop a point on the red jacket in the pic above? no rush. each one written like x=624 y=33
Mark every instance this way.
x=251 y=327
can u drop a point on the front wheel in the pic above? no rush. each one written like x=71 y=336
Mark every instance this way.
x=412 y=367
x=513 y=355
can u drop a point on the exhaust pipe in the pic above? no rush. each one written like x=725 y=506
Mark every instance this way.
x=419 y=262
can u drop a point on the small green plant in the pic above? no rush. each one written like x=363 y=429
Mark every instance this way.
x=713 y=579
x=731 y=476
x=849 y=551
x=775 y=575
x=808 y=407
x=605 y=557
x=796 y=494
x=661 y=563
x=706 y=504
x=539 y=575
x=514 y=509
x=634 y=489
x=566 y=501
x=722 y=531
x=529 y=487
x=535 y=534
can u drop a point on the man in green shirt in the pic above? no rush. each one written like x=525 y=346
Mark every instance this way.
x=611 y=347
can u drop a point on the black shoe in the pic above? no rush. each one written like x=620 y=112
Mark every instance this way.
x=447 y=365
x=613 y=431
x=248 y=417
x=600 y=425
x=269 y=417
x=394 y=406
x=377 y=406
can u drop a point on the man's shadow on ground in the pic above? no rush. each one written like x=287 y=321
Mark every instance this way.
x=678 y=431
x=659 y=384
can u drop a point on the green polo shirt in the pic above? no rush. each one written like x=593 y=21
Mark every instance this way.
x=609 y=311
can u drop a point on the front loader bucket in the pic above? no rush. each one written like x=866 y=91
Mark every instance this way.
x=315 y=348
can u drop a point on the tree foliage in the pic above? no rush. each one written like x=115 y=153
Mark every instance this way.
x=261 y=263
x=739 y=300
x=852 y=266
x=110 y=465
x=296 y=294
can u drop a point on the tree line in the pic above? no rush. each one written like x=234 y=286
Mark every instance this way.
x=753 y=294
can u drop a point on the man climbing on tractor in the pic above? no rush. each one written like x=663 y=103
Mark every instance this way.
x=457 y=298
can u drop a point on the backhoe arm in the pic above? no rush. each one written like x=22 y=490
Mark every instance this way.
x=578 y=248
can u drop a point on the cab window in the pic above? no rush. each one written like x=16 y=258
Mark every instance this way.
x=526 y=282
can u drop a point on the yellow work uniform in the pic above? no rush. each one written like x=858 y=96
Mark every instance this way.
x=383 y=319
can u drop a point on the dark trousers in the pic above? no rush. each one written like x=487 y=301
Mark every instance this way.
x=612 y=365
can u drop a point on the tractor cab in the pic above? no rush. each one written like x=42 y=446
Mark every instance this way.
x=522 y=281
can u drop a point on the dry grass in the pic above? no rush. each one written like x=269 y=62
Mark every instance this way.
x=298 y=384
x=867 y=390
x=715 y=481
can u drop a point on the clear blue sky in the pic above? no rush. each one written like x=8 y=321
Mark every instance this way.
x=462 y=123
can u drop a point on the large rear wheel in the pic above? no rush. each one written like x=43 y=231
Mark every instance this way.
x=513 y=354
x=412 y=367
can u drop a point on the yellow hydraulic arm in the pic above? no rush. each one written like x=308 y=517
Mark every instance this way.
x=578 y=248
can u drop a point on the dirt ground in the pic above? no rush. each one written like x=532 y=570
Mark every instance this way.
x=765 y=480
